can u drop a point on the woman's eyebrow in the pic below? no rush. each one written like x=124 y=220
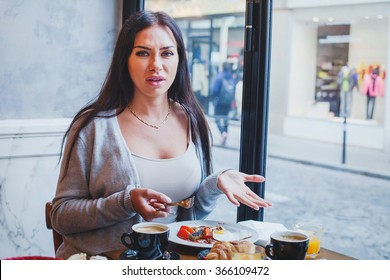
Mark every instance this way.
x=147 y=48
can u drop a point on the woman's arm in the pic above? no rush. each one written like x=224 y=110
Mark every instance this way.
x=84 y=203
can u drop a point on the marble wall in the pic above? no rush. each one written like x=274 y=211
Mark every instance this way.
x=54 y=54
x=29 y=154
x=53 y=59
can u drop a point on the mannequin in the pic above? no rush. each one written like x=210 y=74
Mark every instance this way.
x=346 y=83
x=373 y=86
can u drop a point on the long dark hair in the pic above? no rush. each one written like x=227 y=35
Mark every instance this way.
x=118 y=88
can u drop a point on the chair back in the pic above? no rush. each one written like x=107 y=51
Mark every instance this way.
x=57 y=238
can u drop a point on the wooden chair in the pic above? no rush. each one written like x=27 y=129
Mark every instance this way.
x=57 y=238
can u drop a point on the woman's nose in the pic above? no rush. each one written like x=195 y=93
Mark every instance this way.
x=155 y=64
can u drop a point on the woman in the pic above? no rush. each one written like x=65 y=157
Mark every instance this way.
x=143 y=143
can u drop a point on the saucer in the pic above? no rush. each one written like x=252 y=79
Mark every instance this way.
x=129 y=255
x=202 y=254
x=170 y=256
x=133 y=255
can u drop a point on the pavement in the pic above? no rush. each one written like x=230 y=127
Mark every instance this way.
x=306 y=181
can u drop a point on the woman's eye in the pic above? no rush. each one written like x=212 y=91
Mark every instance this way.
x=141 y=53
x=167 y=53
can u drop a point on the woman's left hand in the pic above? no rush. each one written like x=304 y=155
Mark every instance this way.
x=232 y=183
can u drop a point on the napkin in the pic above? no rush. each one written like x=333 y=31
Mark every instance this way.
x=263 y=229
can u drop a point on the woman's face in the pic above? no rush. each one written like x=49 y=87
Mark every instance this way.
x=153 y=61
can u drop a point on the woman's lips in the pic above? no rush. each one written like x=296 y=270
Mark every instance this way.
x=155 y=80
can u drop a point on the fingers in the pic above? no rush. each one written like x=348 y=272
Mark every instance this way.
x=243 y=194
x=253 y=178
x=150 y=212
x=248 y=201
x=158 y=205
x=149 y=203
x=163 y=207
x=234 y=176
x=156 y=196
x=232 y=183
x=253 y=201
x=153 y=214
x=250 y=198
x=262 y=203
x=232 y=199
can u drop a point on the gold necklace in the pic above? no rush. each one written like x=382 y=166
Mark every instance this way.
x=149 y=124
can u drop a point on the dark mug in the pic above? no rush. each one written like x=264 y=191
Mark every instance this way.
x=287 y=245
x=148 y=240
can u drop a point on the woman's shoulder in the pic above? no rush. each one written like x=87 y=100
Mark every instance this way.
x=101 y=120
x=107 y=114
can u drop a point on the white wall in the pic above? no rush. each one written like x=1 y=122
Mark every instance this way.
x=303 y=68
x=280 y=68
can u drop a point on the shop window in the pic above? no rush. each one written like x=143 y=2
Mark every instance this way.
x=332 y=55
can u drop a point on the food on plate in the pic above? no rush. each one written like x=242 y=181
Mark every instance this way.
x=184 y=232
x=223 y=250
x=225 y=235
x=199 y=234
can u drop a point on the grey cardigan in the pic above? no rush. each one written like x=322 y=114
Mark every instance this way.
x=92 y=206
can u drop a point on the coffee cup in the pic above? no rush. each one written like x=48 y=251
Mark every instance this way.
x=148 y=240
x=287 y=245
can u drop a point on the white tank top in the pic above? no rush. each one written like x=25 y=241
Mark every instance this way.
x=177 y=177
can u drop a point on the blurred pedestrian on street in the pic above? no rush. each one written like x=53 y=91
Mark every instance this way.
x=224 y=89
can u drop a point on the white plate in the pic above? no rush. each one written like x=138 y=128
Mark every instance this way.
x=242 y=231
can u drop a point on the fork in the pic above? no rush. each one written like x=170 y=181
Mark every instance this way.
x=185 y=203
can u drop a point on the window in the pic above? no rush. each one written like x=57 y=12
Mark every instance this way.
x=312 y=123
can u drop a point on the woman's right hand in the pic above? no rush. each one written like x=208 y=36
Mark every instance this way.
x=147 y=203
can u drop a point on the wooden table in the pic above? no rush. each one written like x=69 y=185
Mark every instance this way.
x=191 y=253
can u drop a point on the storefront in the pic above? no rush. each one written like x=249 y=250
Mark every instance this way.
x=317 y=43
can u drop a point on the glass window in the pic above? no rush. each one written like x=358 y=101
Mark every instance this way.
x=214 y=35
x=328 y=141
